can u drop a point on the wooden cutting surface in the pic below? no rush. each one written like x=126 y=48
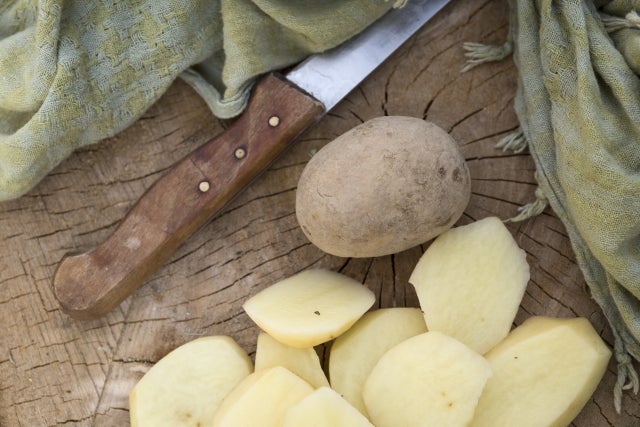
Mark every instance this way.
x=58 y=371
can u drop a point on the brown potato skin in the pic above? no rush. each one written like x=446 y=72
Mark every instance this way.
x=385 y=186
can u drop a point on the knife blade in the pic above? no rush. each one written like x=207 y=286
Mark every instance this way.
x=195 y=189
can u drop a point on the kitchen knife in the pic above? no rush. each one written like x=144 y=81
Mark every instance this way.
x=89 y=285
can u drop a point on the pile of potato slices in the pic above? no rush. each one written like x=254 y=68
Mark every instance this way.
x=455 y=361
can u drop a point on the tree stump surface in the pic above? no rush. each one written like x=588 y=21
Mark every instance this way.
x=58 y=371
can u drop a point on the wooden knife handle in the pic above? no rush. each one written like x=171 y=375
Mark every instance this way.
x=190 y=194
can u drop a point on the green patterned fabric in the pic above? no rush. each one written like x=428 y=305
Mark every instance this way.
x=578 y=103
x=75 y=72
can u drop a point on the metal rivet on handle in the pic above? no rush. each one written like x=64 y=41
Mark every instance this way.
x=240 y=153
x=204 y=186
x=274 y=121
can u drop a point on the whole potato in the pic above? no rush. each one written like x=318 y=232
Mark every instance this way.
x=387 y=185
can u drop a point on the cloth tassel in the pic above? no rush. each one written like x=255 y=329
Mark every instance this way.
x=515 y=142
x=627 y=374
x=478 y=53
x=615 y=23
x=531 y=209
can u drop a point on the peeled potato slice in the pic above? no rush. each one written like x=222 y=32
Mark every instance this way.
x=354 y=354
x=304 y=362
x=186 y=386
x=262 y=399
x=544 y=373
x=427 y=380
x=309 y=308
x=470 y=282
x=324 y=408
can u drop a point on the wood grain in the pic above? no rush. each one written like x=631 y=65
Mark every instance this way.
x=58 y=371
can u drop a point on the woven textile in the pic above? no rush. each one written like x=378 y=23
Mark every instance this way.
x=75 y=72
x=578 y=103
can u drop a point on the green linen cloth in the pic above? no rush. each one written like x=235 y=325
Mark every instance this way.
x=75 y=72
x=578 y=103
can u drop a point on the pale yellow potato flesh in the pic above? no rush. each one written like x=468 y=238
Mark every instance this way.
x=262 y=399
x=309 y=308
x=470 y=282
x=354 y=354
x=324 y=408
x=304 y=362
x=428 y=380
x=185 y=387
x=544 y=373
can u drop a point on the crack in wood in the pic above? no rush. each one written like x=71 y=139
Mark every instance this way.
x=354 y=114
x=505 y=155
x=550 y=295
x=226 y=319
x=363 y=94
x=425 y=111
x=464 y=118
x=530 y=294
x=496 y=198
x=569 y=257
x=100 y=228
x=432 y=62
x=506 y=180
x=491 y=135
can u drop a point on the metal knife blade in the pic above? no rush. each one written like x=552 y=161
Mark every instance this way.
x=196 y=188
x=331 y=75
